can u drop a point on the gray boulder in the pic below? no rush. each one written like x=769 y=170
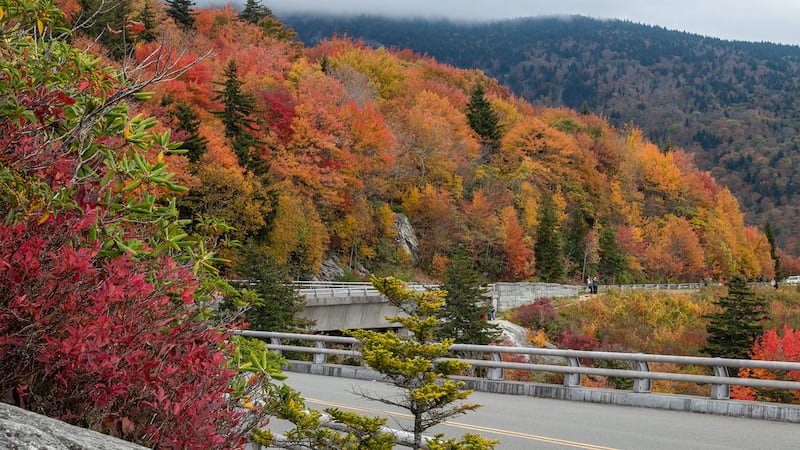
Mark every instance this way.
x=24 y=430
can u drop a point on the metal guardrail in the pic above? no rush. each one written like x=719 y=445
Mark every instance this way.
x=356 y=285
x=572 y=370
x=323 y=289
x=326 y=289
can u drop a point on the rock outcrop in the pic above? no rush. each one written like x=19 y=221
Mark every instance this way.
x=21 y=429
x=406 y=237
x=330 y=270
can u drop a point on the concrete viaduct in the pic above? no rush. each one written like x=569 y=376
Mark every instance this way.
x=336 y=306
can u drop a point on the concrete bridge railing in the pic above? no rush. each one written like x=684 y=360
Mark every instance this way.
x=640 y=371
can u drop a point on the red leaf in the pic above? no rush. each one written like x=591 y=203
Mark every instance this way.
x=135 y=26
x=65 y=99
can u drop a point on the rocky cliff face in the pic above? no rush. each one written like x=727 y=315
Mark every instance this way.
x=333 y=268
x=21 y=429
x=406 y=237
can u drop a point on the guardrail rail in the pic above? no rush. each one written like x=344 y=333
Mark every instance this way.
x=642 y=375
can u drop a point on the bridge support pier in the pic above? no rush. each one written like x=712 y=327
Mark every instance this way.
x=495 y=373
x=320 y=358
x=720 y=391
x=572 y=379
x=642 y=385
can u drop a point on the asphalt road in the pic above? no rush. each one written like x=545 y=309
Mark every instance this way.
x=523 y=423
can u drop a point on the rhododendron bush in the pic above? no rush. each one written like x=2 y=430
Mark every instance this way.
x=102 y=292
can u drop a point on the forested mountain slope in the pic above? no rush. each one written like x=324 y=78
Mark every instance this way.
x=312 y=152
x=733 y=105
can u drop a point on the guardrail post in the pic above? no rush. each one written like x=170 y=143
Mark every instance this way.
x=720 y=391
x=642 y=385
x=320 y=358
x=275 y=341
x=572 y=379
x=495 y=373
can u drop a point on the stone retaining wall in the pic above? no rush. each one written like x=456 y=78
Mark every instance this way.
x=513 y=295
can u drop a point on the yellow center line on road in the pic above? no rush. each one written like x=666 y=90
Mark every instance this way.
x=466 y=426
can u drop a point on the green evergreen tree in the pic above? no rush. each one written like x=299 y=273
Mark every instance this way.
x=768 y=231
x=467 y=305
x=482 y=119
x=575 y=245
x=235 y=115
x=182 y=12
x=547 y=249
x=280 y=304
x=254 y=11
x=413 y=363
x=739 y=323
x=189 y=123
x=276 y=29
x=148 y=18
x=613 y=265
x=105 y=21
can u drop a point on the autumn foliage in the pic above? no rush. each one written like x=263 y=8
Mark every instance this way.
x=103 y=321
x=342 y=125
x=111 y=344
x=107 y=262
x=772 y=347
x=348 y=131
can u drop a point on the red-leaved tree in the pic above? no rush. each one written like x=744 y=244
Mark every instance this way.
x=772 y=347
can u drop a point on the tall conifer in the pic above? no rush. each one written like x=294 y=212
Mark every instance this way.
x=463 y=315
x=148 y=18
x=613 y=265
x=106 y=20
x=739 y=323
x=188 y=122
x=254 y=11
x=770 y=234
x=182 y=12
x=547 y=249
x=482 y=119
x=238 y=106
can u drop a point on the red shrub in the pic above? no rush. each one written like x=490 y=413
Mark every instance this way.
x=574 y=340
x=536 y=314
x=112 y=344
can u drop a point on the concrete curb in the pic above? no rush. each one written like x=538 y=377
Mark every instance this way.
x=733 y=408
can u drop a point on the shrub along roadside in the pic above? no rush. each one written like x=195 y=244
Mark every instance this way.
x=103 y=321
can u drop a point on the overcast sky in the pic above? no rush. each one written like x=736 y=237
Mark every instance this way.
x=747 y=20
